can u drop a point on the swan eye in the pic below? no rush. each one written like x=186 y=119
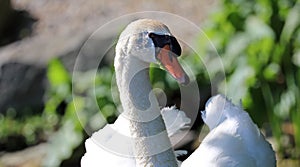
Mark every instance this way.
x=161 y=40
x=151 y=35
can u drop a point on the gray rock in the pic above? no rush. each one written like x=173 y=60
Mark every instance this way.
x=22 y=87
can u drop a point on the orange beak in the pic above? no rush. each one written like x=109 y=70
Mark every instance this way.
x=171 y=64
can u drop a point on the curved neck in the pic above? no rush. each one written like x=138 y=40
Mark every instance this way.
x=152 y=146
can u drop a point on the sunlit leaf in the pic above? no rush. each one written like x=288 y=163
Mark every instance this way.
x=257 y=28
x=292 y=22
x=57 y=74
x=296 y=58
x=271 y=71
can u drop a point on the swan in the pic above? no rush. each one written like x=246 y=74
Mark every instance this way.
x=233 y=140
x=140 y=135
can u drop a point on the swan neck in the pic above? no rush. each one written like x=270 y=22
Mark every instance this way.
x=134 y=86
x=140 y=105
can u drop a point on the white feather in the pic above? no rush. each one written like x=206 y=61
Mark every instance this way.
x=112 y=145
x=233 y=140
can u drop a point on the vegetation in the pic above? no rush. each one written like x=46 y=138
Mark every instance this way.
x=259 y=44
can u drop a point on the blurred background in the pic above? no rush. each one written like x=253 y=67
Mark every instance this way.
x=257 y=41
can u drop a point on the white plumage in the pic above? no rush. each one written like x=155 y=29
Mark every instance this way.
x=112 y=146
x=233 y=140
x=139 y=138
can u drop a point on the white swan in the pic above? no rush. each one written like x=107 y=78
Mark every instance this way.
x=139 y=137
x=233 y=140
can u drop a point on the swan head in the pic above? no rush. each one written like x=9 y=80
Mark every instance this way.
x=215 y=111
x=152 y=42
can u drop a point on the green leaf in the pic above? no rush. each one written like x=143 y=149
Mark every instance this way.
x=257 y=28
x=292 y=22
x=296 y=58
x=57 y=74
x=241 y=80
x=271 y=71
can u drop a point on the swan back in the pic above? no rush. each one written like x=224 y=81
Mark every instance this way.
x=234 y=139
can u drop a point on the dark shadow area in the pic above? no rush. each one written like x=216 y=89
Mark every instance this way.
x=22 y=88
x=14 y=24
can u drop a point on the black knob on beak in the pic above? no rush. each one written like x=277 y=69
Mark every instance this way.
x=162 y=40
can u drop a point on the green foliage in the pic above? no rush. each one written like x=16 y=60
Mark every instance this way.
x=38 y=128
x=58 y=112
x=98 y=91
x=57 y=74
x=60 y=107
x=70 y=107
x=258 y=42
x=33 y=129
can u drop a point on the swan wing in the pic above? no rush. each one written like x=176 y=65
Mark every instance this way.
x=222 y=147
x=256 y=144
x=175 y=120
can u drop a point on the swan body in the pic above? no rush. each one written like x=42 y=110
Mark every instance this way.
x=139 y=136
x=233 y=141
x=117 y=137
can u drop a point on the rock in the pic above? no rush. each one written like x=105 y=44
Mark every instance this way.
x=30 y=157
x=63 y=26
x=22 y=87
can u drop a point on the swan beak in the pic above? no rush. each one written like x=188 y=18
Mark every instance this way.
x=169 y=61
